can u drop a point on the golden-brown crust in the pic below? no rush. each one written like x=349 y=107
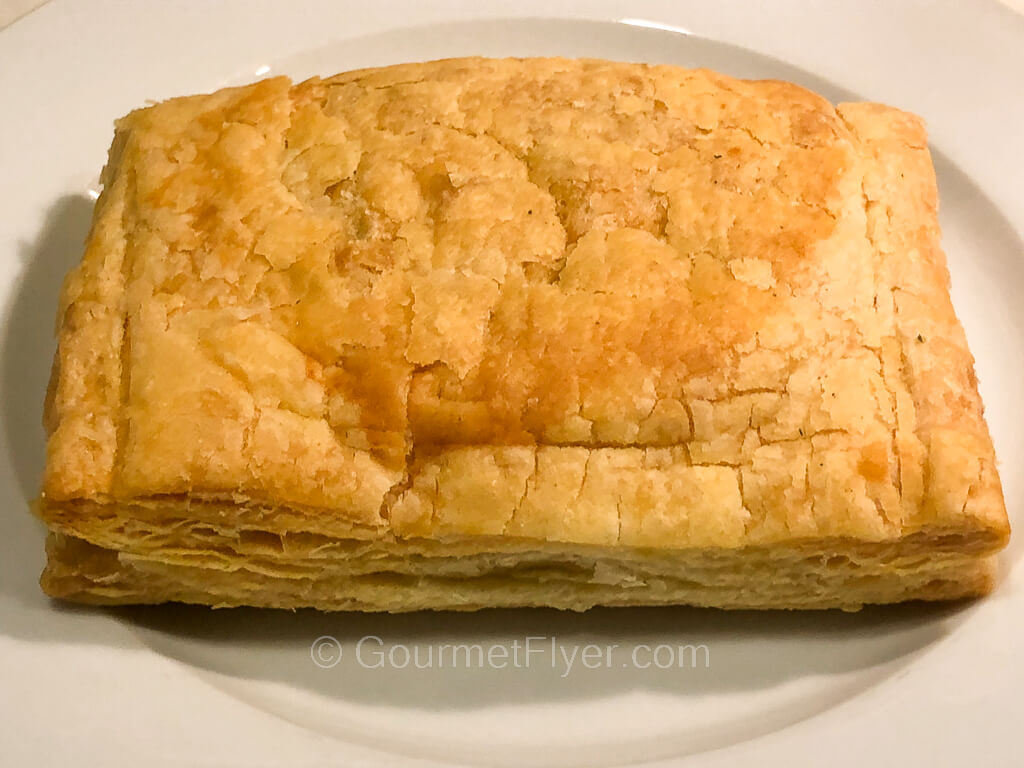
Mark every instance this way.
x=551 y=300
x=945 y=423
x=84 y=390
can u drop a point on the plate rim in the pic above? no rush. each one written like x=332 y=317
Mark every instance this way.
x=723 y=22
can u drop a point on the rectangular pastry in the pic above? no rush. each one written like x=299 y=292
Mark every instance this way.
x=538 y=332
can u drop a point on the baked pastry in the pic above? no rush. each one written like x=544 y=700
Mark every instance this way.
x=478 y=333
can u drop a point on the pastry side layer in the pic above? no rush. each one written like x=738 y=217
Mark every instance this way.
x=561 y=301
x=575 y=578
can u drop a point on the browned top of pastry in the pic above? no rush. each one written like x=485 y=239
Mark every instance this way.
x=578 y=299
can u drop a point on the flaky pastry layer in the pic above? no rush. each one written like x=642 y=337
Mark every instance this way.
x=626 y=316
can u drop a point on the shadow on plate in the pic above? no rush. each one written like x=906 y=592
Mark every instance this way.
x=707 y=650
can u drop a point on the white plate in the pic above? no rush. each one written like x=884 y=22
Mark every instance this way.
x=188 y=686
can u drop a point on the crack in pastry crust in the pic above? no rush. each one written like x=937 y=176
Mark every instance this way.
x=573 y=301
